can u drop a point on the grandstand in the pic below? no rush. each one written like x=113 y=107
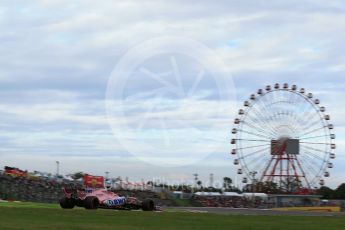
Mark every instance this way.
x=26 y=187
x=29 y=189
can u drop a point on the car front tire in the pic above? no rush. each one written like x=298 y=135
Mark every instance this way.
x=91 y=202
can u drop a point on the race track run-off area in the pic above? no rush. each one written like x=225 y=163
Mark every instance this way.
x=50 y=216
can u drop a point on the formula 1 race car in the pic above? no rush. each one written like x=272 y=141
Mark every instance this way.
x=103 y=198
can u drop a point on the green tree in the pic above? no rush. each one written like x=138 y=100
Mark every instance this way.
x=227 y=181
x=340 y=192
x=326 y=192
x=199 y=183
x=267 y=187
x=76 y=175
x=150 y=183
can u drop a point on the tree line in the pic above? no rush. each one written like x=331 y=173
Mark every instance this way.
x=328 y=193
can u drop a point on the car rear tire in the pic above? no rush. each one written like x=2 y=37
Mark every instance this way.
x=148 y=205
x=67 y=203
x=91 y=202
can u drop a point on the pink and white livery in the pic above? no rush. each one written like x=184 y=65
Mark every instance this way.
x=102 y=198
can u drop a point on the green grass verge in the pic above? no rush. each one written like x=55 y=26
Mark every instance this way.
x=48 y=216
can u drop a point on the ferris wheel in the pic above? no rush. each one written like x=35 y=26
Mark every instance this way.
x=284 y=136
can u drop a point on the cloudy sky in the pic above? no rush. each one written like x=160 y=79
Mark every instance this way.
x=170 y=112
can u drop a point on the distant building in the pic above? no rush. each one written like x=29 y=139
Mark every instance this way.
x=287 y=200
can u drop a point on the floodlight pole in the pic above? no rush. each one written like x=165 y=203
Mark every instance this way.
x=195 y=180
x=252 y=174
x=211 y=179
x=57 y=168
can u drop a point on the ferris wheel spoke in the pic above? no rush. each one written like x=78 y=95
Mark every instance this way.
x=268 y=167
x=286 y=115
x=289 y=118
x=272 y=123
x=313 y=155
x=311 y=171
x=255 y=121
x=254 y=134
x=254 y=160
x=317 y=159
x=304 y=115
x=303 y=172
x=313 y=149
x=263 y=105
x=288 y=126
x=309 y=114
x=308 y=125
x=312 y=131
x=324 y=135
x=280 y=118
x=310 y=122
x=258 y=113
x=259 y=122
x=294 y=124
x=314 y=143
x=294 y=98
x=258 y=129
x=255 y=146
x=253 y=140
x=312 y=164
x=259 y=166
x=263 y=119
x=253 y=153
x=261 y=102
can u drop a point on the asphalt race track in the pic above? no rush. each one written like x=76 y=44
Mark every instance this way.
x=255 y=212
